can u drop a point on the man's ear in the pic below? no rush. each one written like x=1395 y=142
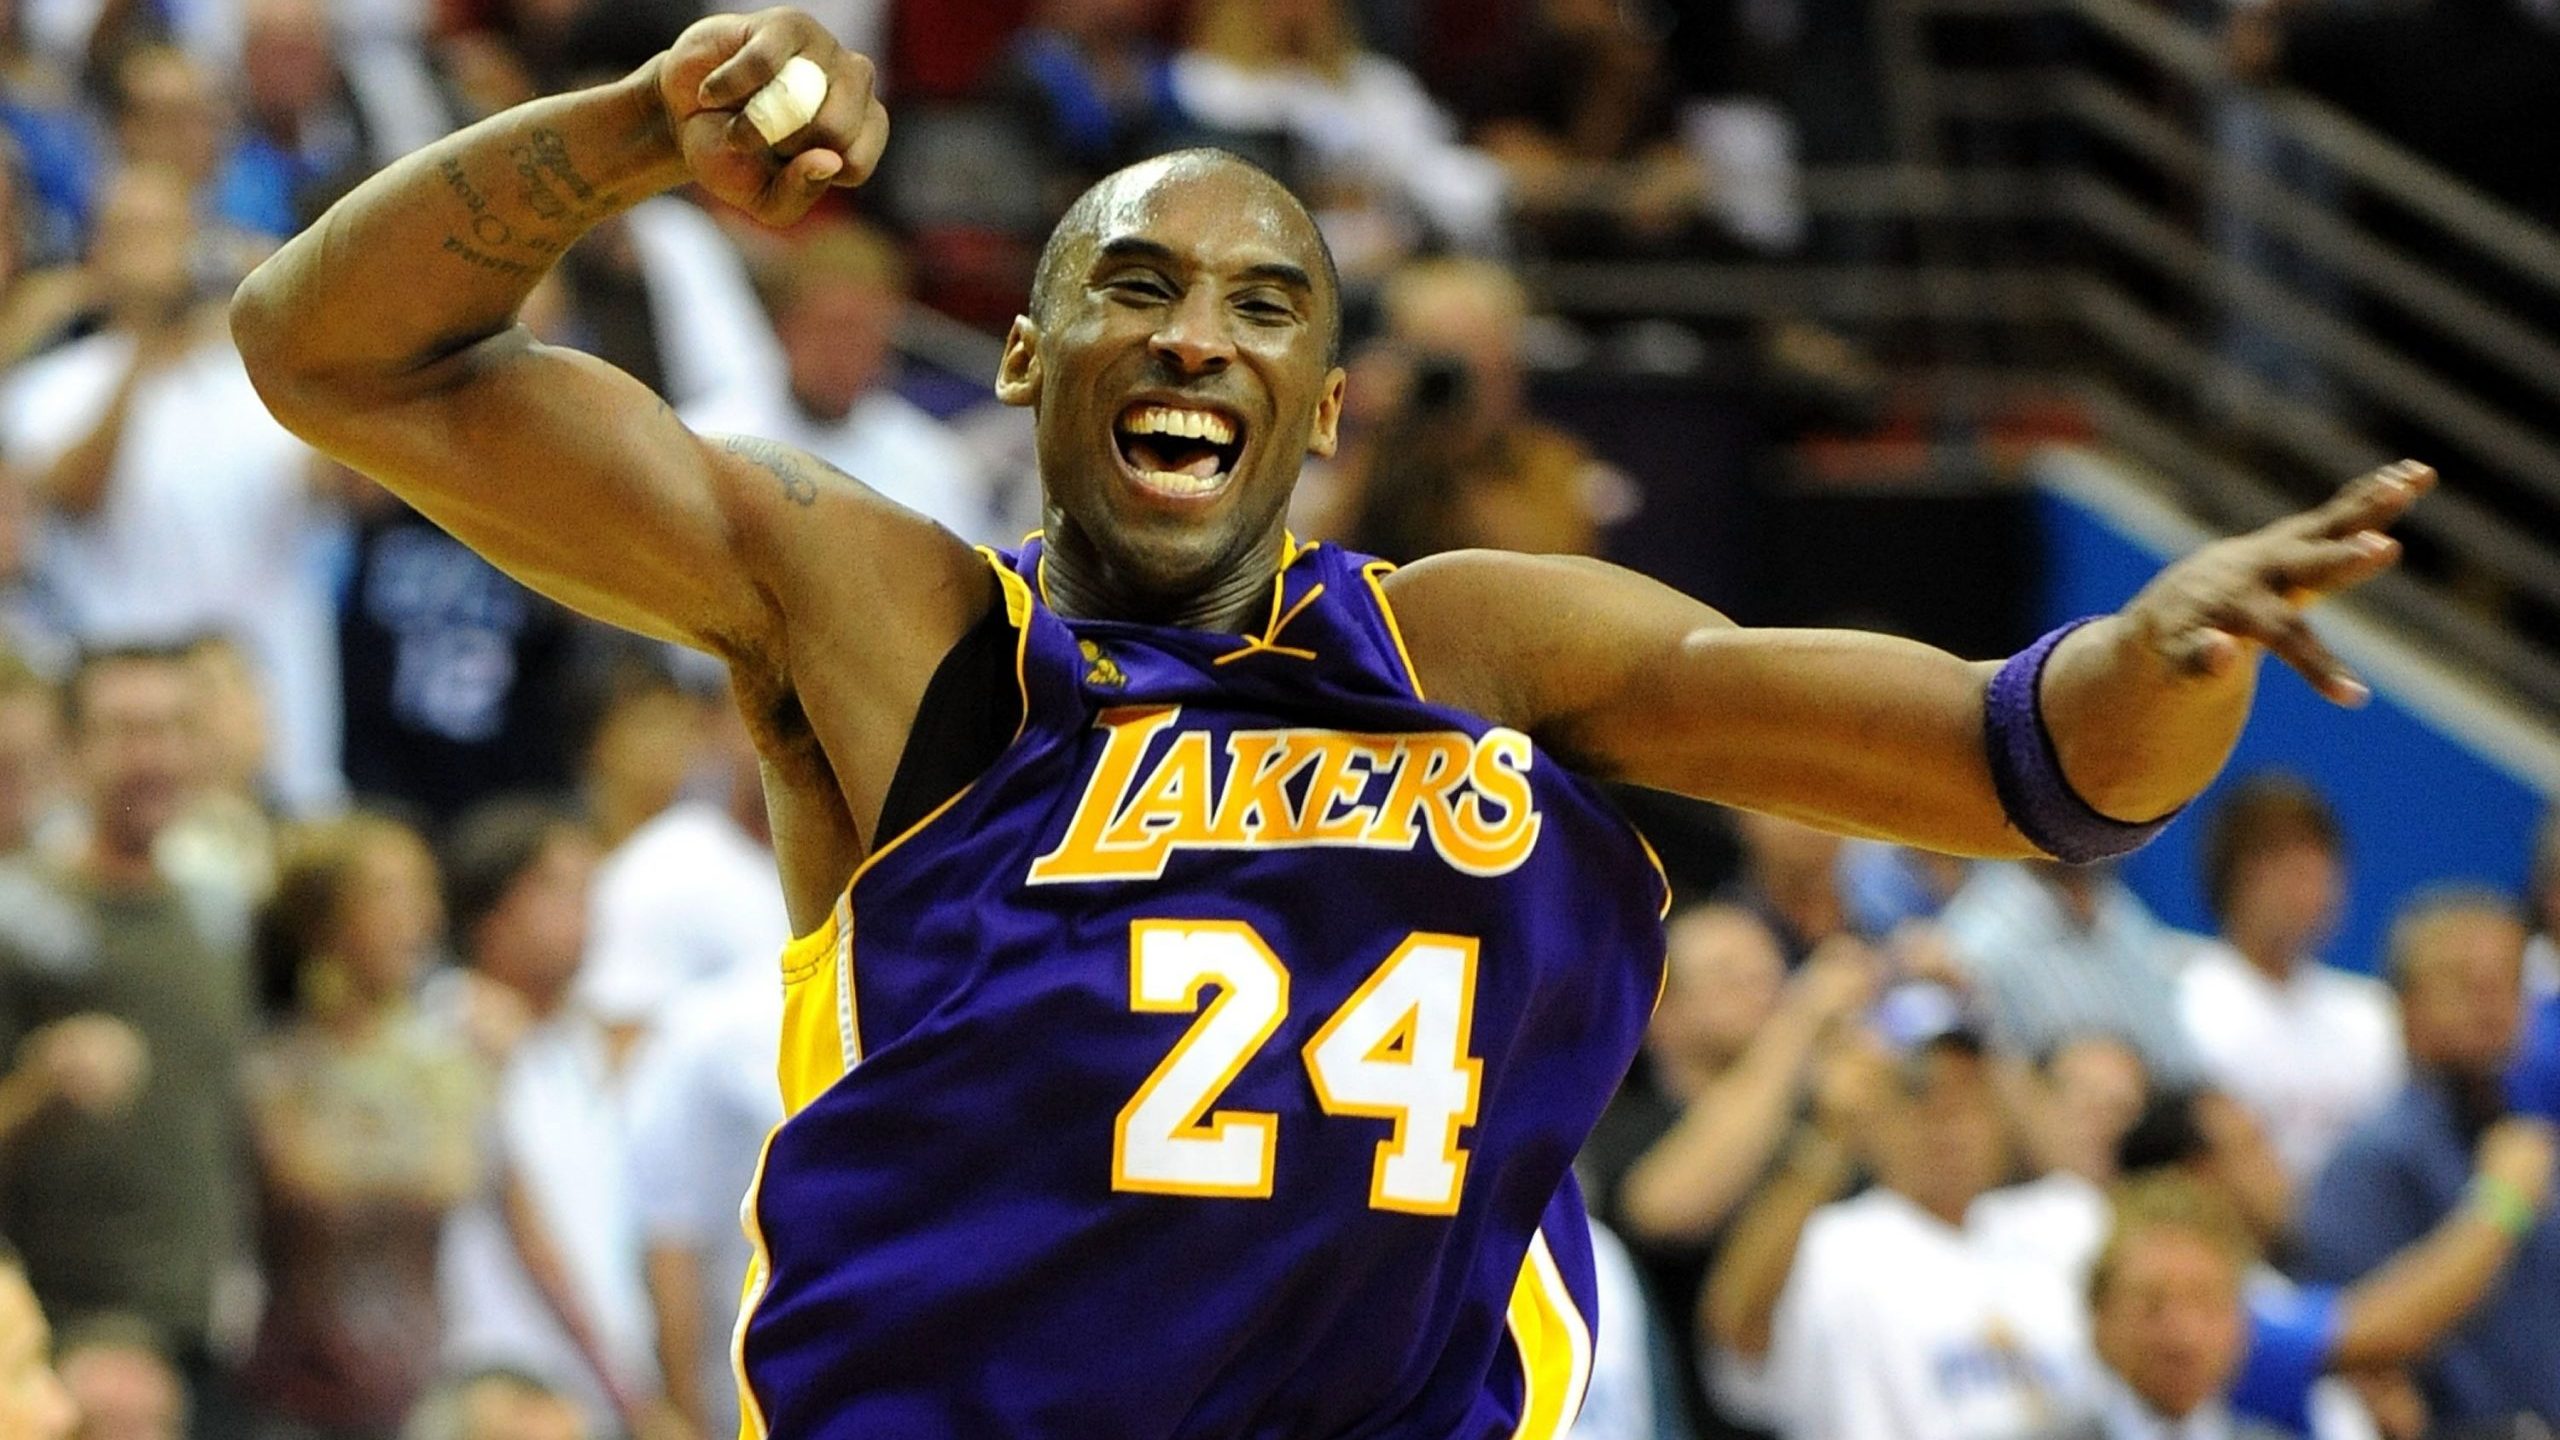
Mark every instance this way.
x=1018 y=373
x=1327 y=429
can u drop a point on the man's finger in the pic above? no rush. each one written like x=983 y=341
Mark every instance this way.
x=746 y=72
x=2270 y=621
x=797 y=185
x=840 y=117
x=2373 y=501
x=2312 y=568
x=863 y=155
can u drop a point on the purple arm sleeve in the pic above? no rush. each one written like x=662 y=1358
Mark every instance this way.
x=2027 y=770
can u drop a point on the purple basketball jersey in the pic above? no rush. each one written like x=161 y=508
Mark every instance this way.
x=1212 y=1066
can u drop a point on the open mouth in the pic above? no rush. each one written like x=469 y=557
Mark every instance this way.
x=1177 y=450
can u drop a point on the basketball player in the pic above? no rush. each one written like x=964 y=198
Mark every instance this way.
x=1235 y=949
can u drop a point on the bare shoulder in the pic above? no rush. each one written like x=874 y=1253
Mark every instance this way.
x=1523 y=639
x=868 y=595
x=820 y=540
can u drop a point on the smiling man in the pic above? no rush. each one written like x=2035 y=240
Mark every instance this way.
x=1212 y=948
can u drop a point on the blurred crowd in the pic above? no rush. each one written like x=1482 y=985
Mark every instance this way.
x=386 y=1002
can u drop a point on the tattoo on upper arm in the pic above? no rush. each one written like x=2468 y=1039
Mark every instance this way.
x=783 y=463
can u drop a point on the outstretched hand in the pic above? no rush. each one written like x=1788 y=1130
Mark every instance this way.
x=2216 y=609
x=705 y=81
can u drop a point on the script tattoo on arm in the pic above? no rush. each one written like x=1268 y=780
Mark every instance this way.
x=787 y=466
x=537 y=220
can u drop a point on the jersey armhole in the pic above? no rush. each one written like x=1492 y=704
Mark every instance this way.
x=973 y=707
x=1374 y=573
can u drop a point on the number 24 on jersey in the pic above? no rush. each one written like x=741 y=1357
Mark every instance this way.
x=1395 y=1051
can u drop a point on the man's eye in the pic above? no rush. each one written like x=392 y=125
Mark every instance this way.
x=1139 y=289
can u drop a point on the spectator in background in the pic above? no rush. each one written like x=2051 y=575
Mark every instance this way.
x=168 y=112
x=1458 y=461
x=41 y=294
x=2075 y=1106
x=1888 y=886
x=2304 y=1336
x=2309 y=1049
x=132 y=1208
x=1090 y=88
x=2059 y=950
x=703 y=1099
x=317 y=124
x=638 y=734
x=1287 y=83
x=34 y=808
x=457 y=679
x=367 y=1124
x=226 y=839
x=53 y=146
x=121 y=1381
x=2167 y=1318
x=1890 y=1318
x=2542 y=900
x=1729 y=1055
x=496 y=1403
x=2456 y=960
x=540 y=1267
x=1583 y=112
x=837 y=298
x=177 y=504
x=691 y=901
x=1790 y=879
x=33 y=1403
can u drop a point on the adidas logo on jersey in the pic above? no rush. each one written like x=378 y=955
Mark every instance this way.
x=1468 y=796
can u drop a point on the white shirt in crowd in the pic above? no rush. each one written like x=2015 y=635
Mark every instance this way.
x=703 y=1098
x=1376 y=124
x=2541 y=968
x=1896 y=1326
x=2309 y=1055
x=207 y=523
x=687 y=898
x=2059 y=1222
x=558 y=1125
x=886 y=441
x=1618 y=1403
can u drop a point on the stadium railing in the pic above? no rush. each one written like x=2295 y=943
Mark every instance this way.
x=2239 y=287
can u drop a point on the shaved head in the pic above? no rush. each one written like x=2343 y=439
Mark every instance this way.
x=1083 y=224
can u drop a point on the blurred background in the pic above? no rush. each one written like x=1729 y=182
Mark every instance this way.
x=385 y=989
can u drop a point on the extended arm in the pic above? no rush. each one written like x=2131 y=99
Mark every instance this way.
x=2396 y=1314
x=1871 y=735
x=1739 y=1304
x=1686 y=1186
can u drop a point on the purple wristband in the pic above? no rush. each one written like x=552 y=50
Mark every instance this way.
x=2028 y=772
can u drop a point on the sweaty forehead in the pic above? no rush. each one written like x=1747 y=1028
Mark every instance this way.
x=1214 y=211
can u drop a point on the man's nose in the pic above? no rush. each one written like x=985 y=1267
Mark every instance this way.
x=1195 y=338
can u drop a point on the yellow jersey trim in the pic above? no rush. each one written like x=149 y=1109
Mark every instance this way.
x=806 y=957
x=1554 y=1343
x=1373 y=572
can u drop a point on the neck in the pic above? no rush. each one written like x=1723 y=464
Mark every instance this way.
x=122 y=862
x=1946 y=1208
x=2269 y=955
x=1083 y=584
x=821 y=414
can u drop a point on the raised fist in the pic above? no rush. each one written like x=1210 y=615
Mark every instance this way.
x=719 y=63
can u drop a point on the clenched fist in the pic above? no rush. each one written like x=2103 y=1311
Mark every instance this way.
x=718 y=64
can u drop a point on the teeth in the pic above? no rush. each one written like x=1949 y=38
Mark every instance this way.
x=1187 y=424
x=1172 y=483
